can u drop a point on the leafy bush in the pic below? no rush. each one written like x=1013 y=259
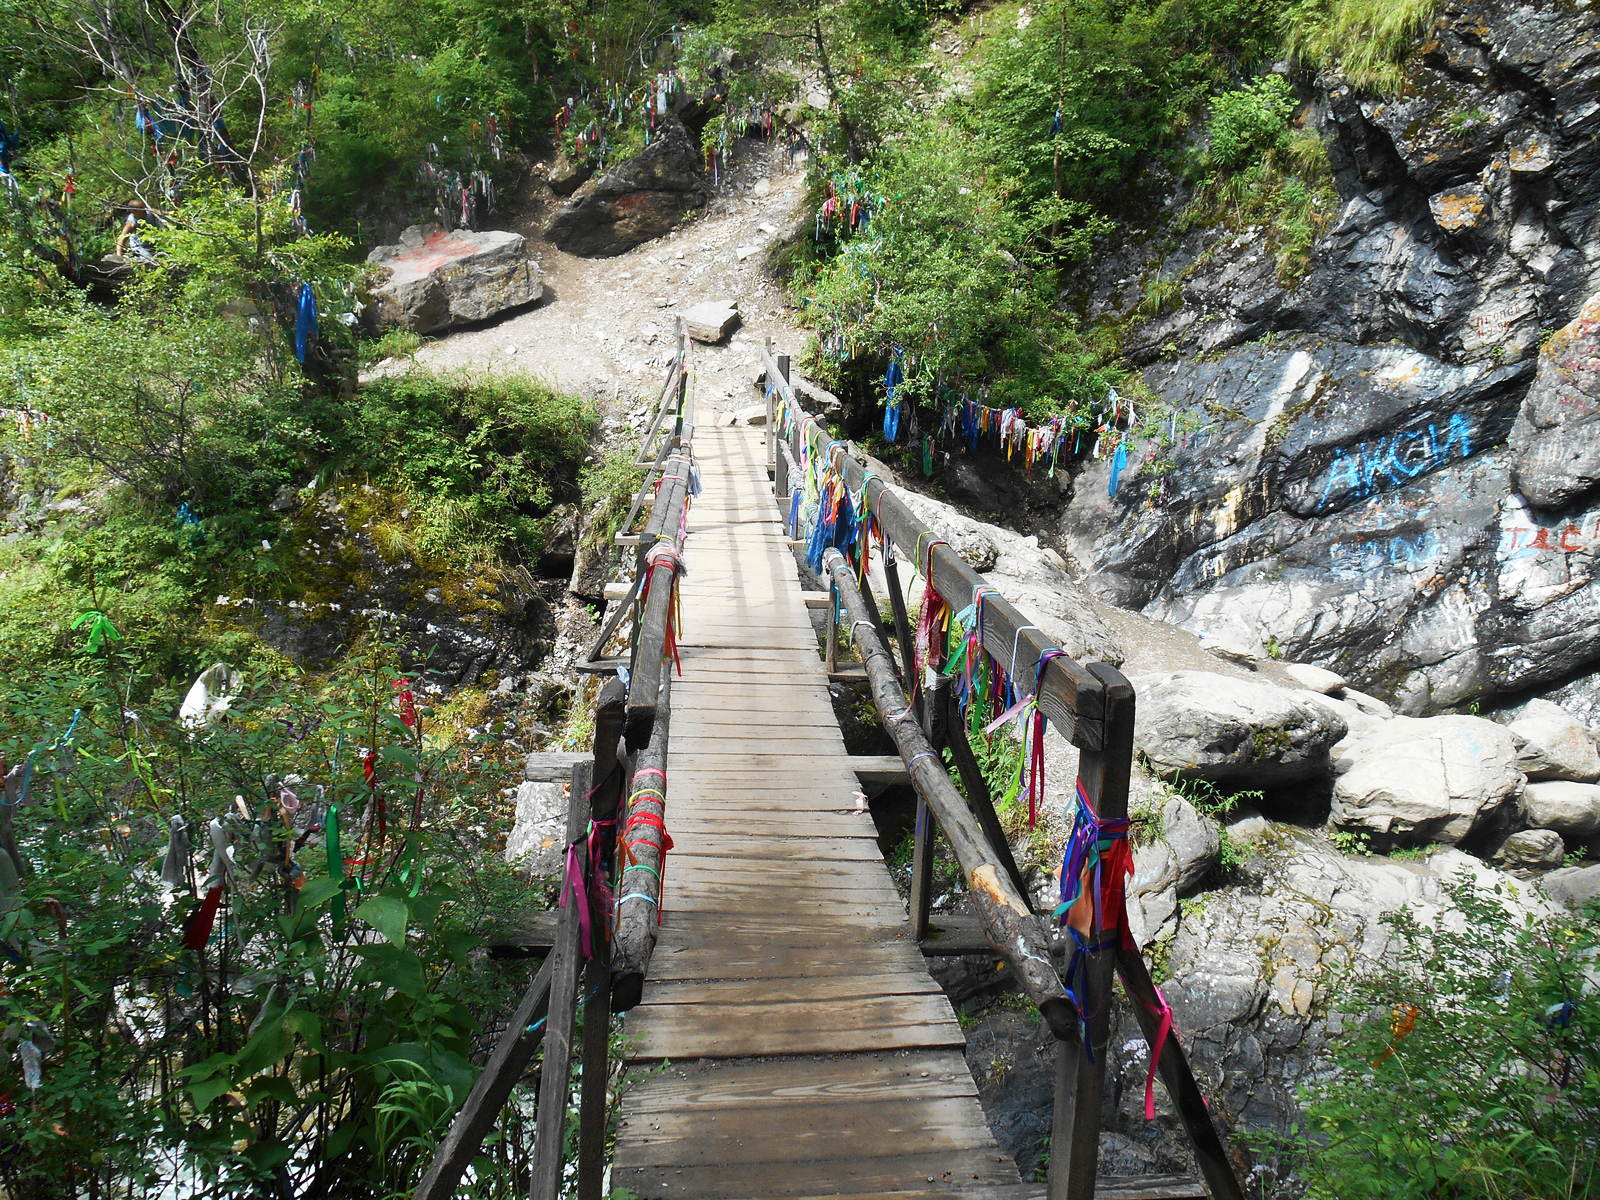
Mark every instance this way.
x=483 y=458
x=1366 y=41
x=323 y=1030
x=1249 y=121
x=1469 y=1065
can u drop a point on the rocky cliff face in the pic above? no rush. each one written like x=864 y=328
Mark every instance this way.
x=1381 y=470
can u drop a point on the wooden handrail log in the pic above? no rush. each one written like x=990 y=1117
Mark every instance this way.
x=663 y=406
x=1015 y=933
x=650 y=653
x=1069 y=694
x=639 y=885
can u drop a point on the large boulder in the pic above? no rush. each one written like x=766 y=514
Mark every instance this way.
x=1168 y=865
x=439 y=279
x=537 y=842
x=1555 y=745
x=1570 y=809
x=711 y=320
x=1556 y=439
x=1203 y=725
x=1531 y=849
x=1573 y=885
x=1433 y=779
x=636 y=201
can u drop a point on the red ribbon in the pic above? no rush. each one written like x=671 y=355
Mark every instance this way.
x=198 y=931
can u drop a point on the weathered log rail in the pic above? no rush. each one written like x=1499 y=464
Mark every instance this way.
x=1092 y=705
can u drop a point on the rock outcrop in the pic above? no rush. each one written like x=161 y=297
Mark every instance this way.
x=1201 y=725
x=636 y=201
x=437 y=279
x=1435 y=779
x=1556 y=440
x=1398 y=484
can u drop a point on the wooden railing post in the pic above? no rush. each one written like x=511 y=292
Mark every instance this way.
x=926 y=830
x=556 y=1077
x=605 y=797
x=1081 y=1064
x=831 y=642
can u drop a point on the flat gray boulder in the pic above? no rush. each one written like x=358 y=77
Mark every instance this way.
x=1203 y=725
x=538 y=839
x=439 y=279
x=1570 y=809
x=712 y=320
x=1431 y=779
x=1557 y=745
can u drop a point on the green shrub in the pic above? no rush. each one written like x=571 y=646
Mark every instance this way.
x=319 y=1031
x=483 y=458
x=1469 y=1062
x=1249 y=121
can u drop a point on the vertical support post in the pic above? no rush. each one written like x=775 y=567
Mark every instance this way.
x=780 y=489
x=683 y=387
x=902 y=622
x=978 y=798
x=831 y=652
x=556 y=1075
x=596 y=1065
x=1081 y=1065
x=610 y=772
x=921 y=902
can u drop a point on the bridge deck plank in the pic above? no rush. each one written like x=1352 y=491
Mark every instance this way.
x=783 y=939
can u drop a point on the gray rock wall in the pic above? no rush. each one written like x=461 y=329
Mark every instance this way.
x=1397 y=483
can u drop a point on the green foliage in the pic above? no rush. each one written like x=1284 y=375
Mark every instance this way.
x=328 y=1022
x=1249 y=121
x=1469 y=1064
x=937 y=273
x=608 y=489
x=483 y=459
x=1348 y=841
x=1366 y=41
x=1285 y=198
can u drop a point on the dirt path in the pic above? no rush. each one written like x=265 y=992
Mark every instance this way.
x=605 y=326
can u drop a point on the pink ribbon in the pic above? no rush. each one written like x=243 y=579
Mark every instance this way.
x=574 y=887
x=1165 y=1013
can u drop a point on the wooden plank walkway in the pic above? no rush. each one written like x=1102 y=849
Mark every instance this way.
x=790 y=1042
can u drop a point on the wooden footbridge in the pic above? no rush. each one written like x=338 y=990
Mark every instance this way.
x=726 y=889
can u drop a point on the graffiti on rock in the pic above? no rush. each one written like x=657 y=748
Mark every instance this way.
x=1369 y=556
x=1393 y=461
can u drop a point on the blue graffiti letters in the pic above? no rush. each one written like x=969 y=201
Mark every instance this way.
x=1393 y=461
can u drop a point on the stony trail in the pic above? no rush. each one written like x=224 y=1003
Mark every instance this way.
x=605 y=325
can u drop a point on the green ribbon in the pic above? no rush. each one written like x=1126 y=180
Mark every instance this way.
x=100 y=630
x=335 y=868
